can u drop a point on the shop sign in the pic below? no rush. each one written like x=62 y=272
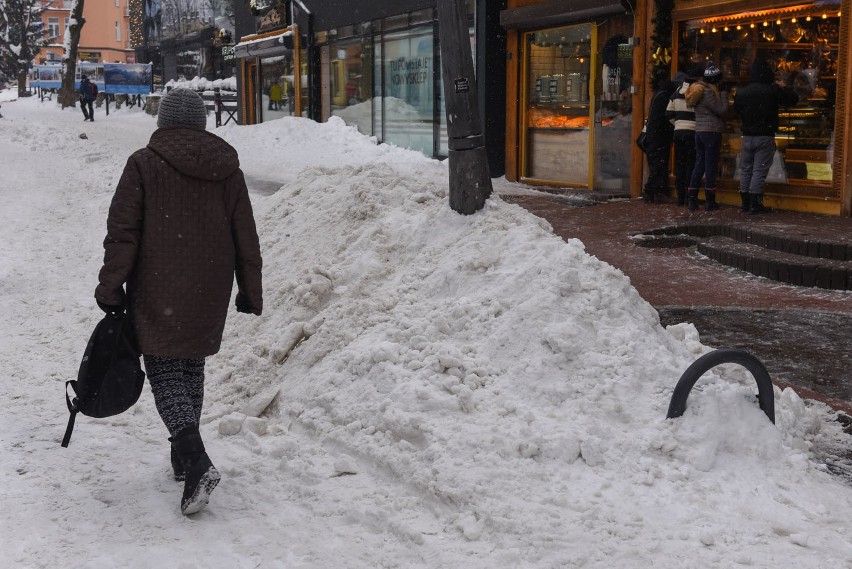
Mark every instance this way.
x=228 y=53
x=462 y=85
x=272 y=20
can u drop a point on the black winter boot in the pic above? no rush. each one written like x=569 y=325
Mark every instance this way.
x=201 y=476
x=681 y=196
x=710 y=204
x=745 y=198
x=757 y=205
x=177 y=466
x=692 y=199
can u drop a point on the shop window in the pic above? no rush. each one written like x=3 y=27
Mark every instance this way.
x=409 y=84
x=351 y=82
x=801 y=46
x=557 y=104
x=277 y=92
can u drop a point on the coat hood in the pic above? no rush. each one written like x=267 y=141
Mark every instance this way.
x=761 y=72
x=195 y=153
x=694 y=93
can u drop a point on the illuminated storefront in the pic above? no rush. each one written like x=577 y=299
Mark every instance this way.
x=569 y=94
x=807 y=46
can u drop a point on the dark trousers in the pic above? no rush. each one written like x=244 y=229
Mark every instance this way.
x=708 y=145
x=178 y=388
x=658 y=169
x=684 y=157
x=88 y=111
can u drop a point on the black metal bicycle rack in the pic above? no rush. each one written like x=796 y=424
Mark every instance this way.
x=693 y=373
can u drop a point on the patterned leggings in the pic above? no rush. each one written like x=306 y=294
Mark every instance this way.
x=178 y=387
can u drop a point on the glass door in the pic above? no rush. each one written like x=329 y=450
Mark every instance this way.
x=557 y=117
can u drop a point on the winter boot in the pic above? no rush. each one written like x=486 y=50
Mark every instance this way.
x=757 y=205
x=177 y=466
x=648 y=196
x=201 y=476
x=745 y=198
x=692 y=199
x=710 y=204
x=681 y=196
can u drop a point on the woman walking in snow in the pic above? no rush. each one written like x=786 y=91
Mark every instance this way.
x=180 y=227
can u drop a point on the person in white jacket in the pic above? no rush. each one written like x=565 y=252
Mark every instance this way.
x=682 y=116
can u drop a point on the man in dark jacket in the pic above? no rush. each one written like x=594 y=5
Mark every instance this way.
x=658 y=144
x=757 y=105
x=180 y=227
x=88 y=92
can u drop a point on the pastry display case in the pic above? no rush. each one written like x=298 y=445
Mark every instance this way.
x=802 y=46
x=557 y=111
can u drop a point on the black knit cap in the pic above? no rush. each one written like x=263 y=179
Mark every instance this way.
x=182 y=107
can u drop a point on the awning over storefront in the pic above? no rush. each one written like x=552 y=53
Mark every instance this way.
x=254 y=46
x=560 y=12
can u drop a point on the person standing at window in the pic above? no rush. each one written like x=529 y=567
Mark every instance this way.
x=682 y=117
x=710 y=103
x=659 y=143
x=757 y=105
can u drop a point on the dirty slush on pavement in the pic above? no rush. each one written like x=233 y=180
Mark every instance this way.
x=800 y=333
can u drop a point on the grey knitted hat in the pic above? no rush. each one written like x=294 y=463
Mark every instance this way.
x=182 y=107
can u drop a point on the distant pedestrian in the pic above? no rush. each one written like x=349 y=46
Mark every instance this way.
x=180 y=227
x=682 y=117
x=274 y=96
x=658 y=144
x=710 y=102
x=757 y=105
x=88 y=94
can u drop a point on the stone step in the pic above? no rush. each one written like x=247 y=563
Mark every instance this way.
x=785 y=267
x=768 y=238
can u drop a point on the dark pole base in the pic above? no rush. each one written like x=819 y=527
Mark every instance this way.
x=470 y=183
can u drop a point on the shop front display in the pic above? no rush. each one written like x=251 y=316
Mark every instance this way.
x=802 y=43
x=577 y=113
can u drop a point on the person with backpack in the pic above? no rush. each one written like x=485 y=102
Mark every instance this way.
x=88 y=94
x=180 y=227
x=658 y=143
x=757 y=105
x=710 y=102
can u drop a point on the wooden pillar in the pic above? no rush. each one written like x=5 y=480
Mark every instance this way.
x=843 y=133
x=641 y=84
x=297 y=70
x=513 y=101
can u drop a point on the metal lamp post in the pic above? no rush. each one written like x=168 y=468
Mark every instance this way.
x=470 y=183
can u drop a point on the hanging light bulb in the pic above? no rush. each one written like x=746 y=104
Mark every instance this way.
x=765 y=24
x=739 y=27
x=702 y=30
x=713 y=29
x=726 y=28
x=751 y=25
x=808 y=19
x=778 y=22
x=793 y=20
x=824 y=16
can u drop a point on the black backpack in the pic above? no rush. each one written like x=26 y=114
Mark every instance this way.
x=110 y=379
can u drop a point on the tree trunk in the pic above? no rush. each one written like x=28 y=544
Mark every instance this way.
x=67 y=93
x=22 y=81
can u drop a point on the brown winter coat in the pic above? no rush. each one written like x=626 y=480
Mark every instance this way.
x=180 y=226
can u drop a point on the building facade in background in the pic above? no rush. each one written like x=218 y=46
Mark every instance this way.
x=105 y=37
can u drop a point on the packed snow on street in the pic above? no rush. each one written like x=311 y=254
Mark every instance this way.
x=423 y=389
